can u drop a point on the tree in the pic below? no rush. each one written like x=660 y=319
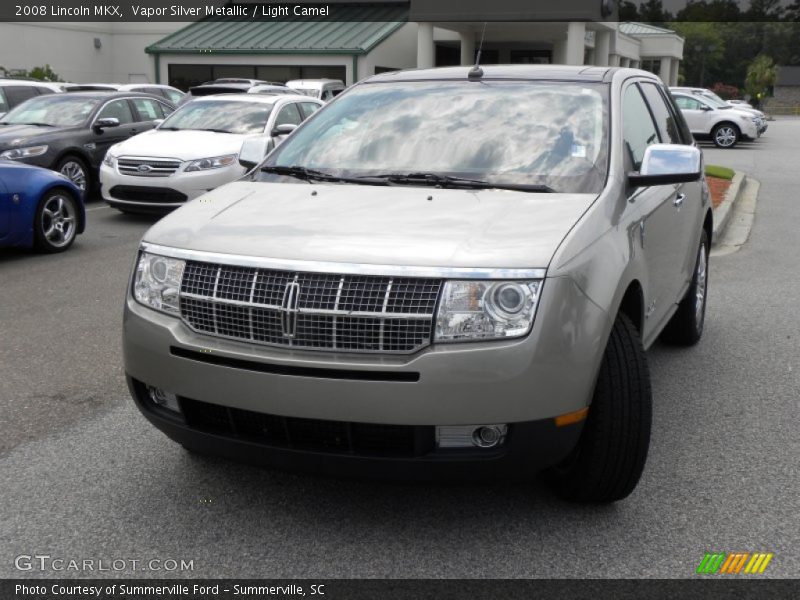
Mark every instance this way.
x=761 y=76
x=44 y=73
x=703 y=51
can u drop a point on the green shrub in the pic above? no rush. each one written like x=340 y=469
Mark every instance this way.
x=721 y=172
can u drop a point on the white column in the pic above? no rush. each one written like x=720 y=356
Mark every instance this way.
x=467 y=47
x=624 y=61
x=614 y=60
x=576 y=42
x=673 y=78
x=426 y=51
x=665 y=69
x=602 y=48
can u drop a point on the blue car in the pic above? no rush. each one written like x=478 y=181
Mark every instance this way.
x=39 y=208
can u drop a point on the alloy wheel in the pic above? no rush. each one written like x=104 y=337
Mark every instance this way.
x=58 y=221
x=75 y=173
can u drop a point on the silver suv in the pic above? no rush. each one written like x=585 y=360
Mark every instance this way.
x=444 y=272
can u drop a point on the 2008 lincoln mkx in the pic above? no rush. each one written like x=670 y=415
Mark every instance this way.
x=446 y=272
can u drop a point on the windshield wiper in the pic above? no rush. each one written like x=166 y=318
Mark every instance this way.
x=437 y=179
x=35 y=124
x=306 y=174
x=214 y=130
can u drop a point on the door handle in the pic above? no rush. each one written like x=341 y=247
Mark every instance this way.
x=679 y=199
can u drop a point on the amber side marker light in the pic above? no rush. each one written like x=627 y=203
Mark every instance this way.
x=573 y=417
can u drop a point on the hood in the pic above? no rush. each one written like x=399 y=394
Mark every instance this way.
x=407 y=226
x=15 y=136
x=183 y=145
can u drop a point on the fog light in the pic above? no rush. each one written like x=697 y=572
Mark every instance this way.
x=163 y=399
x=488 y=436
x=470 y=436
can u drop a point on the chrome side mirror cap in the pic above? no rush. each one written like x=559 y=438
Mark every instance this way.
x=665 y=164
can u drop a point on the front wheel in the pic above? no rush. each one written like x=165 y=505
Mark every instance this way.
x=685 y=328
x=76 y=171
x=608 y=461
x=725 y=135
x=56 y=221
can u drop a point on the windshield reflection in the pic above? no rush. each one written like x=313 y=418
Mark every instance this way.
x=525 y=133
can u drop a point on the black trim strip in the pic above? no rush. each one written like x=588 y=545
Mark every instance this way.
x=259 y=367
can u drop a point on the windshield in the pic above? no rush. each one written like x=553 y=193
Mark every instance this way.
x=54 y=110
x=512 y=133
x=220 y=115
x=715 y=100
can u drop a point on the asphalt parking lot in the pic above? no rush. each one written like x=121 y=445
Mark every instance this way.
x=85 y=477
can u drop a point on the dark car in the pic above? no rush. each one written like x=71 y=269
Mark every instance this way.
x=70 y=133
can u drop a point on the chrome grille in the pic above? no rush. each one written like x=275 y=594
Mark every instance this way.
x=321 y=311
x=147 y=167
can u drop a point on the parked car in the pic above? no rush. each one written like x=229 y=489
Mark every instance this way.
x=761 y=122
x=269 y=88
x=14 y=92
x=70 y=133
x=323 y=89
x=38 y=208
x=174 y=95
x=741 y=104
x=231 y=86
x=708 y=119
x=445 y=272
x=196 y=149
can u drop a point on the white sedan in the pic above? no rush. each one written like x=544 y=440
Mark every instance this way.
x=195 y=149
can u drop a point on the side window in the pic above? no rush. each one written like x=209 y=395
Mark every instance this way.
x=149 y=110
x=118 y=109
x=289 y=115
x=327 y=96
x=3 y=103
x=17 y=94
x=667 y=125
x=638 y=129
x=166 y=109
x=686 y=103
x=172 y=95
x=309 y=108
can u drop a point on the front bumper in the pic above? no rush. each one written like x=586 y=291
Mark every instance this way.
x=177 y=189
x=524 y=382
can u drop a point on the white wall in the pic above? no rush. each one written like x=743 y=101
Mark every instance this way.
x=69 y=49
x=398 y=51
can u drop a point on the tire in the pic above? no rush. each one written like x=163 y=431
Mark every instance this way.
x=76 y=170
x=609 y=459
x=56 y=221
x=725 y=135
x=685 y=328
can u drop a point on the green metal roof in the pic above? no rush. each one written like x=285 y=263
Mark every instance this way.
x=635 y=29
x=374 y=25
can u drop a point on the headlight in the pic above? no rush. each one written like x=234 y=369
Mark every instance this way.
x=478 y=310
x=28 y=152
x=110 y=160
x=157 y=282
x=216 y=162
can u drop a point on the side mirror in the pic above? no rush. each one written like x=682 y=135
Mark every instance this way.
x=665 y=164
x=253 y=151
x=705 y=108
x=284 y=129
x=107 y=122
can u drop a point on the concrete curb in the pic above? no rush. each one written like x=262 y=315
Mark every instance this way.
x=723 y=213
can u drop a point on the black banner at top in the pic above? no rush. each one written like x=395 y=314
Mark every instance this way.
x=441 y=11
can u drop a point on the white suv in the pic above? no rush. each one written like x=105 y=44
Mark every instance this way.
x=195 y=149
x=723 y=124
x=737 y=104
